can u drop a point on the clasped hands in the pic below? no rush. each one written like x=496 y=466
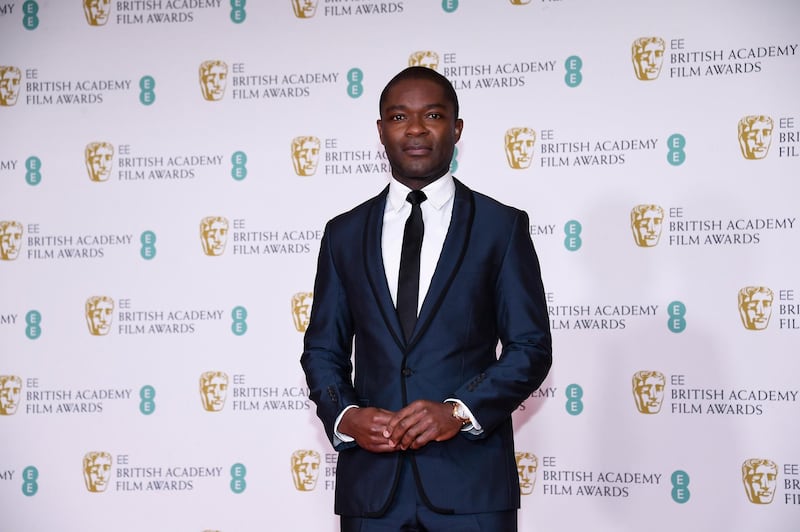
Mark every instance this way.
x=412 y=427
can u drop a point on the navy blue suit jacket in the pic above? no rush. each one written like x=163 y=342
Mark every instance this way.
x=486 y=287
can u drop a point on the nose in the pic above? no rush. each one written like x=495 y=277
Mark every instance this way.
x=415 y=125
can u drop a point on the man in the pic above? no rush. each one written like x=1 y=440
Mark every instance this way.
x=424 y=428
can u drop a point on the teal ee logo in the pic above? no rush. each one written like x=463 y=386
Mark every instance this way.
x=147 y=95
x=573 y=65
x=574 y=394
x=238 y=483
x=675 y=144
x=572 y=240
x=32 y=174
x=676 y=322
x=148 y=240
x=454 y=162
x=238 y=13
x=33 y=319
x=448 y=6
x=680 y=486
x=354 y=78
x=29 y=11
x=239 y=325
x=239 y=165
x=29 y=485
x=147 y=395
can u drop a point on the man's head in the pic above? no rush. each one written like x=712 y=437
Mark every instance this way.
x=10 y=77
x=301 y=310
x=419 y=125
x=305 y=155
x=213 y=390
x=648 y=391
x=755 y=307
x=755 y=136
x=305 y=469
x=99 y=312
x=10 y=390
x=213 y=78
x=10 y=239
x=648 y=54
x=646 y=221
x=519 y=147
x=760 y=477
x=527 y=464
x=96 y=471
x=99 y=159
x=214 y=235
x=97 y=11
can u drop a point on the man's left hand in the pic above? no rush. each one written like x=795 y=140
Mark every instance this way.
x=422 y=422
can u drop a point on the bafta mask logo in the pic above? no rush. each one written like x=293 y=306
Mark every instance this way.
x=646 y=222
x=304 y=8
x=755 y=307
x=10 y=77
x=10 y=239
x=97 y=11
x=305 y=155
x=305 y=469
x=648 y=391
x=99 y=160
x=96 y=471
x=213 y=390
x=424 y=58
x=10 y=390
x=648 y=55
x=755 y=136
x=527 y=465
x=760 y=477
x=301 y=310
x=99 y=314
x=213 y=79
x=520 y=2
x=519 y=144
x=214 y=235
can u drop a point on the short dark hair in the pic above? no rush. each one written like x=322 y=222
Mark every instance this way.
x=420 y=72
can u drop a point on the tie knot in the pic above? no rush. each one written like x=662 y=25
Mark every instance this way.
x=415 y=197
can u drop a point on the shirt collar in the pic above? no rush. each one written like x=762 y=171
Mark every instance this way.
x=438 y=193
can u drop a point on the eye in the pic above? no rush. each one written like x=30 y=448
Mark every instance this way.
x=434 y=116
x=397 y=117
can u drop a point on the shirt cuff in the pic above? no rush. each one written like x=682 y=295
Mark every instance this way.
x=473 y=427
x=338 y=437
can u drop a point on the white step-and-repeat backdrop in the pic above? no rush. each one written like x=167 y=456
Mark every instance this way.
x=166 y=171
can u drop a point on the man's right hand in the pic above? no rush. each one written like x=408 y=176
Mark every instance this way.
x=366 y=426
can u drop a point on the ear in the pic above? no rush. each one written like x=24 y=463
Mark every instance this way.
x=459 y=127
x=380 y=129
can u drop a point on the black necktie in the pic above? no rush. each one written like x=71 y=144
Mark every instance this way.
x=408 y=279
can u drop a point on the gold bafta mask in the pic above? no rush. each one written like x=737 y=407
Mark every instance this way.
x=755 y=307
x=760 y=477
x=527 y=465
x=96 y=471
x=424 y=58
x=648 y=391
x=755 y=136
x=520 y=2
x=10 y=391
x=519 y=143
x=214 y=235
x=10 y=239
x=10 y=78
x=97 y=11
x=99 y=313
x=305 y=155
x=646 y=222
x=301 y=310
x=304 y=8
x=99 y=160
x=648 y=54
x=213 y=79
x=213 y=390
x=305 y=469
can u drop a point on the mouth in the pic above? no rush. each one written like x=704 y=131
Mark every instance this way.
x=416 y=150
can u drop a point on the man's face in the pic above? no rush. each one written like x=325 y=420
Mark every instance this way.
x=757 y=310
x=526 y=469
x=307 y=469
x=419 y=130
x=649 y=59
x=9 y=396
x=214 y=391
x=10 y=240
x=756 y=139
x=648 y=227
x=520 y=149
x=100 y=316
x=100 y=161
x=98 y=472
x=761 y=483
x=97 y=11
x=306 y=155
x=214 y=80
x=9 y=86
x=650 y=393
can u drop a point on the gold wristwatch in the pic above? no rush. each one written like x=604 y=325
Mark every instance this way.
x=460 y=413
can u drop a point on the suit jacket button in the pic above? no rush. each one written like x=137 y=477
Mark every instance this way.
x=407 y=372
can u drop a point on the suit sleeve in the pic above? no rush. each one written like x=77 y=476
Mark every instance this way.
x=328 y=343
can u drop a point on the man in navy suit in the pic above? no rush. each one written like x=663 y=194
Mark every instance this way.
x=423 y=427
